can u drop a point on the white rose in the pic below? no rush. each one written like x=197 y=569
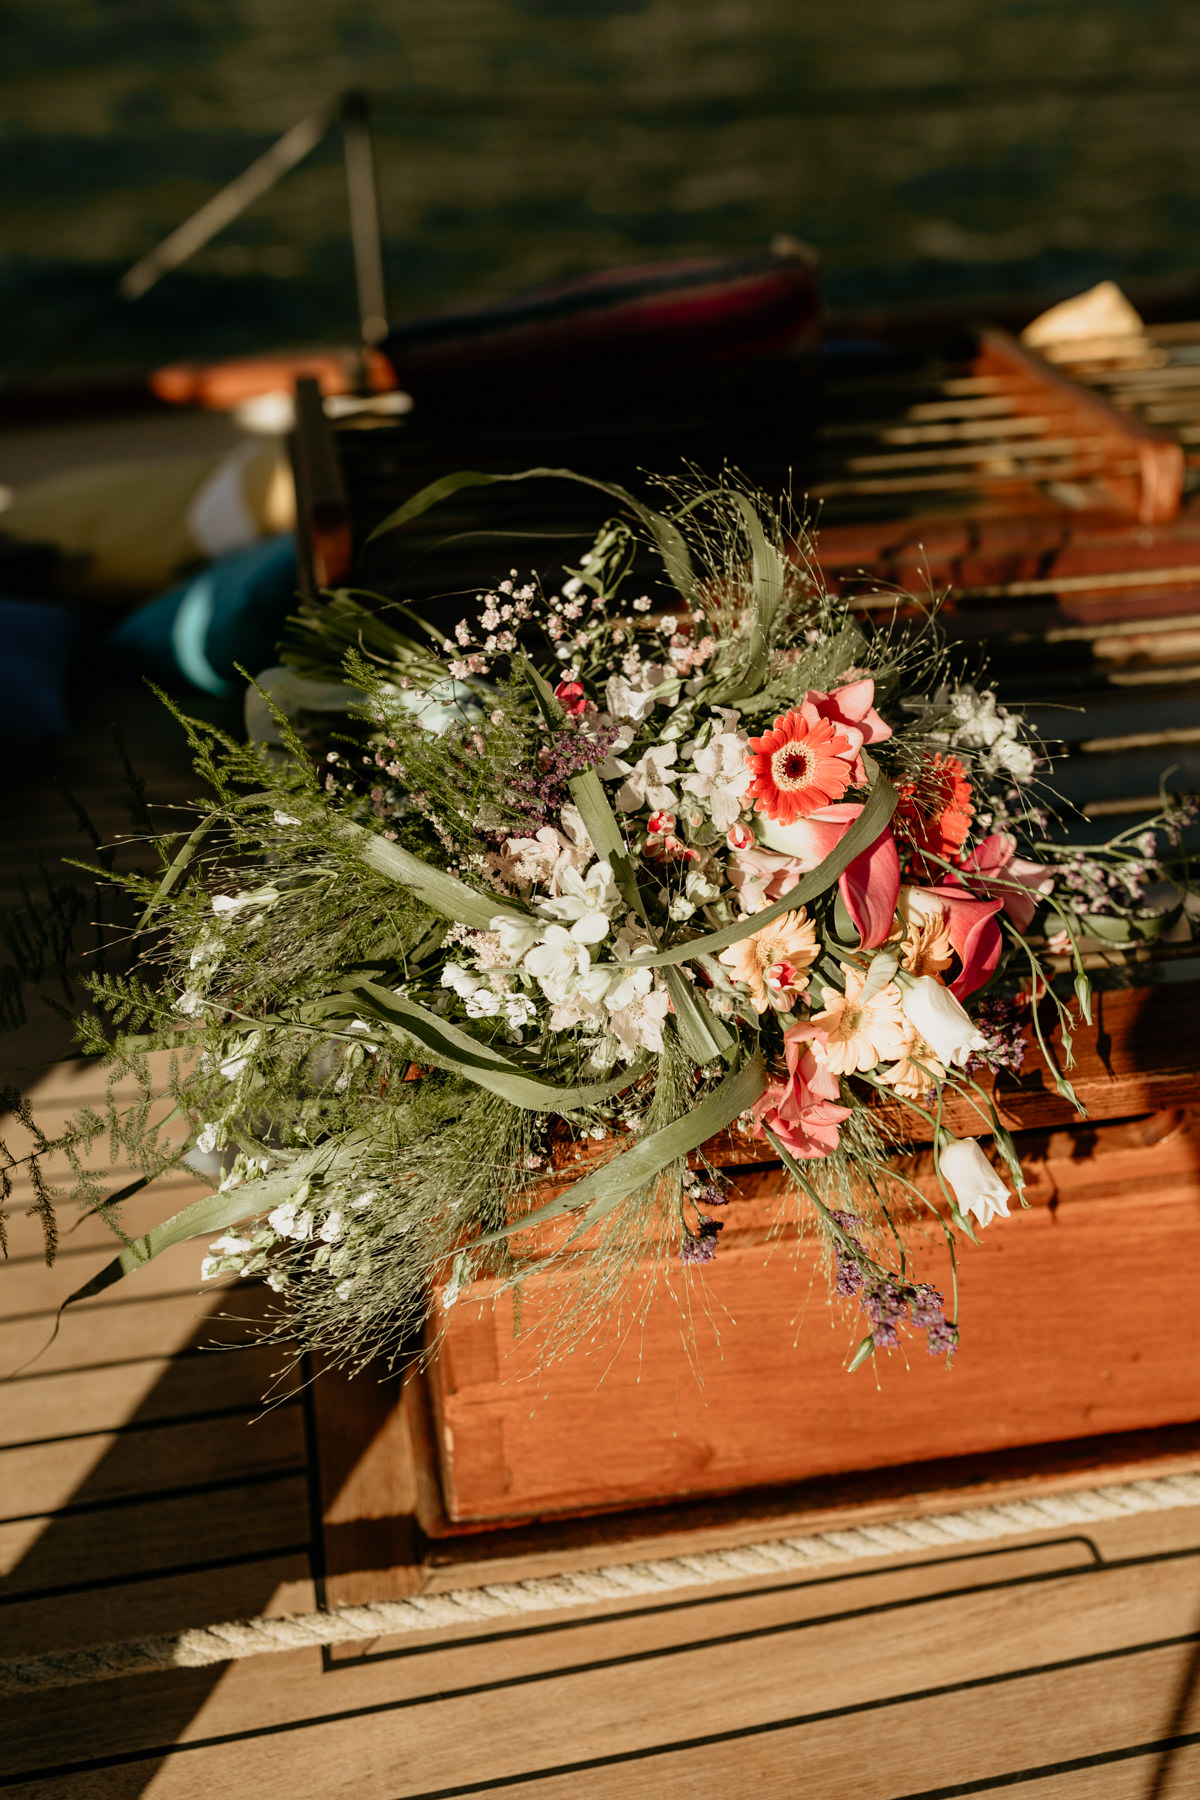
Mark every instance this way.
x=977 y=1187
x=940 y=1020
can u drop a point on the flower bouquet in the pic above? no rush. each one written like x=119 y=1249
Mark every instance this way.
x=586 y=889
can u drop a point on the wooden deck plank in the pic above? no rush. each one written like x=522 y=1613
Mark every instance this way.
x=158 y=1530
x=35 y=1408
x=115 y=1465
x=134 y=1326
x=238 y=1585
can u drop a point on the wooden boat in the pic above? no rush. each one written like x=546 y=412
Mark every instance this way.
x=1062 y=524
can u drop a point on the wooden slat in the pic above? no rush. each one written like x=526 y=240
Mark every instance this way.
x=102 y=1466
x=236 y=1585
x=103 y=1399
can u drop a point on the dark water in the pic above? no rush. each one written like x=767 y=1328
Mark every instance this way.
x=932 y=149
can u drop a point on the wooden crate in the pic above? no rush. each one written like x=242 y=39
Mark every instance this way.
x=1077 y=1358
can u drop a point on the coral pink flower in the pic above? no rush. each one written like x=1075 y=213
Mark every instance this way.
x=803 y=1111
x=869 y=885
x=935 y=810
x=995 y=867
x=854 y=706
x=800 y=765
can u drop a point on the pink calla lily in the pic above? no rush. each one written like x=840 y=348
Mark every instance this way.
x=995 y=867
x=869 y=885
x=974 y=936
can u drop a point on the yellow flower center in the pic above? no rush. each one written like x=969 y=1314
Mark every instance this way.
x=792 y=766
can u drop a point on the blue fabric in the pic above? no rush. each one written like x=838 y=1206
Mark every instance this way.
x=35 y=646
x=232 y=613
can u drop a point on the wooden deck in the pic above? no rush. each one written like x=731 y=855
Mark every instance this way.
x=144 y=1489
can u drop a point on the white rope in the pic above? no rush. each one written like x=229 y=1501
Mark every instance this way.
x=204 y=1645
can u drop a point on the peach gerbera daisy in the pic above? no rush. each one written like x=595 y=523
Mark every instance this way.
x=790 y=939
x=925 y=947
x=917 y=1072
x=857 y=1036
x=803 y=763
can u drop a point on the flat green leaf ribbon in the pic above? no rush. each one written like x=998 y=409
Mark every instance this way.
x=478 y=1061
x=667 y=536
x=622 y=1175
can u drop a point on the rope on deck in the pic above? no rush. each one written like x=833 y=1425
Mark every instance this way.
x=506 y=1601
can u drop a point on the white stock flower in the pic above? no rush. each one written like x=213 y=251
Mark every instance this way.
x=463 y=981
x=282 y=818
x=226 y=904
x=516 y=937
x=938 y=1018
x=210 y=1266
x=977 y=1187
x=231 y=1245
x=627 y=703
x=484 y=1003
x=637 y=1011
x=589 y=901
x=646 y=783
x=233 y=1065
x=286 y=1222
x=557 y=961
x=722 y=773
x=211 y=1138
x=333 y=1228
x=520 y=1011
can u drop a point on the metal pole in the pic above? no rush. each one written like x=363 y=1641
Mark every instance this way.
x=364 y=218
x=218 y=212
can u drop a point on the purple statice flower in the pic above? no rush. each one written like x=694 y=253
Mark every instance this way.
x=1001 y=1023
x=886 y=1306
x=705 y=1189
x=541 y=796
x=700 y=1246
x=890 y=1304
x=849 y=1275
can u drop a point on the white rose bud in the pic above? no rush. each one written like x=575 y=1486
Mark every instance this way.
x=940 y=1020
x=977 y=1187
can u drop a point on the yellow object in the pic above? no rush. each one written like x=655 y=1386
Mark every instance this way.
x=128 y=530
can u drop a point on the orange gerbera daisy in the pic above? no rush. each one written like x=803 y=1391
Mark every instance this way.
x=803 y=763
x=935 y=811
x=791 y=939
x=858 y=1036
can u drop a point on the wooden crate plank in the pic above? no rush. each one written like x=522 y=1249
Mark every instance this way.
x=1051 y=1289
x=96 y=1466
